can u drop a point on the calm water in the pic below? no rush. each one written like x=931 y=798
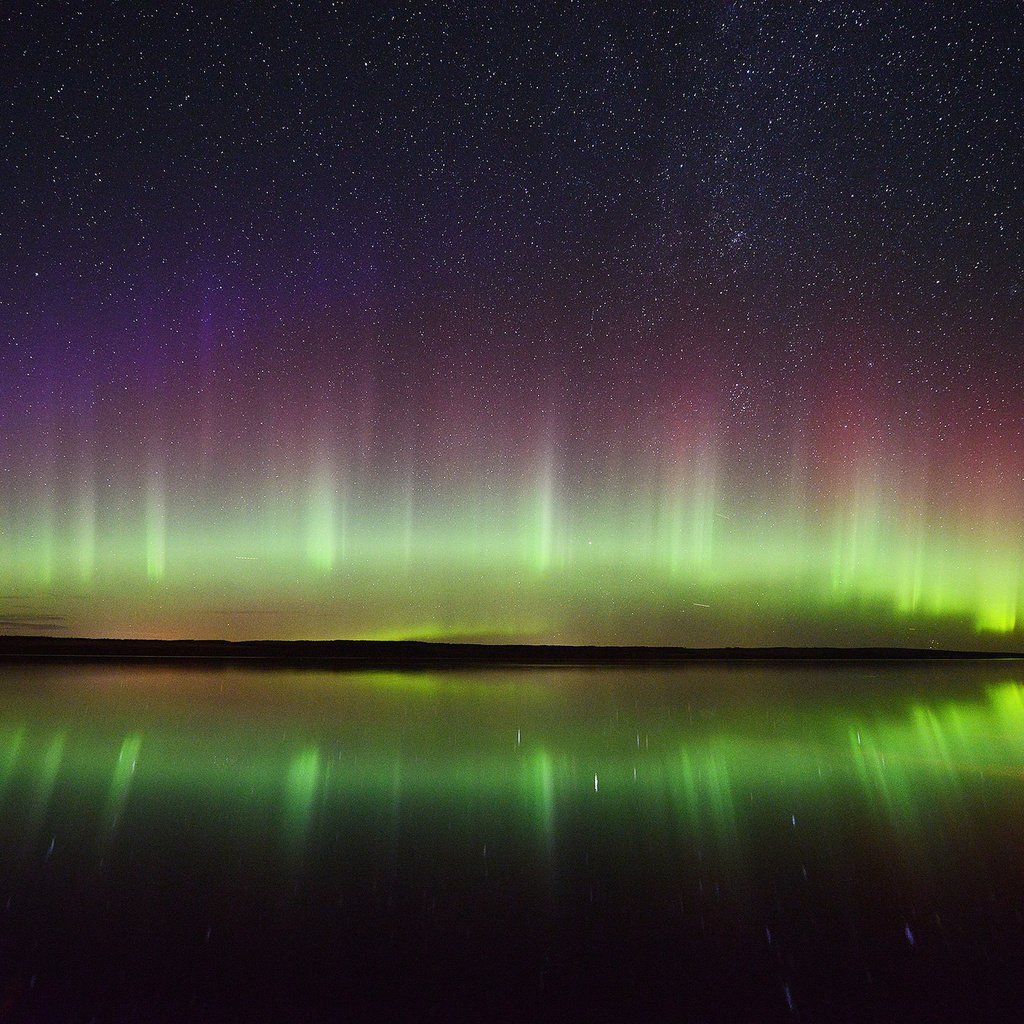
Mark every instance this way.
x=708 y=844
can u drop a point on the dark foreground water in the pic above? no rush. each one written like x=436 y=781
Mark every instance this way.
x=705 y=844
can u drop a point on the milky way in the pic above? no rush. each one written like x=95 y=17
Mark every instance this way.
x=700 y=324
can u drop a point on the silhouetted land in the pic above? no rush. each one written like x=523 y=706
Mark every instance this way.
x=411 y=654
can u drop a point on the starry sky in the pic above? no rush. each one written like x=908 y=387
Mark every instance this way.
x=692 y=323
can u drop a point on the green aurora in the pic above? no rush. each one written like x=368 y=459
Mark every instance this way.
x=690 y=566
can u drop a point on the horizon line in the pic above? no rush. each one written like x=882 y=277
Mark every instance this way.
x=420 y=654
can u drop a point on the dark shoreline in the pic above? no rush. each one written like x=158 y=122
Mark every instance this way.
x=415 y=654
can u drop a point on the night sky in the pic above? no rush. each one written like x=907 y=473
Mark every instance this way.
x=696 y=323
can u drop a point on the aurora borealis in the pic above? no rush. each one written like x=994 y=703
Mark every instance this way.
x=700 y=325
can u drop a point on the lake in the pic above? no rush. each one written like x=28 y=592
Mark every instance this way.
x=705 y=843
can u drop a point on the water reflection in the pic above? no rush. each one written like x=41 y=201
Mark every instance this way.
x=802 y=840
x=703 y=769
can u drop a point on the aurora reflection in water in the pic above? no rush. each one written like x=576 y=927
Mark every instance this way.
x=722 y=840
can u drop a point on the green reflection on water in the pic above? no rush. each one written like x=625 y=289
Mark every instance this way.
x=301 y=783
x=295 y=754
x=124 y=771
